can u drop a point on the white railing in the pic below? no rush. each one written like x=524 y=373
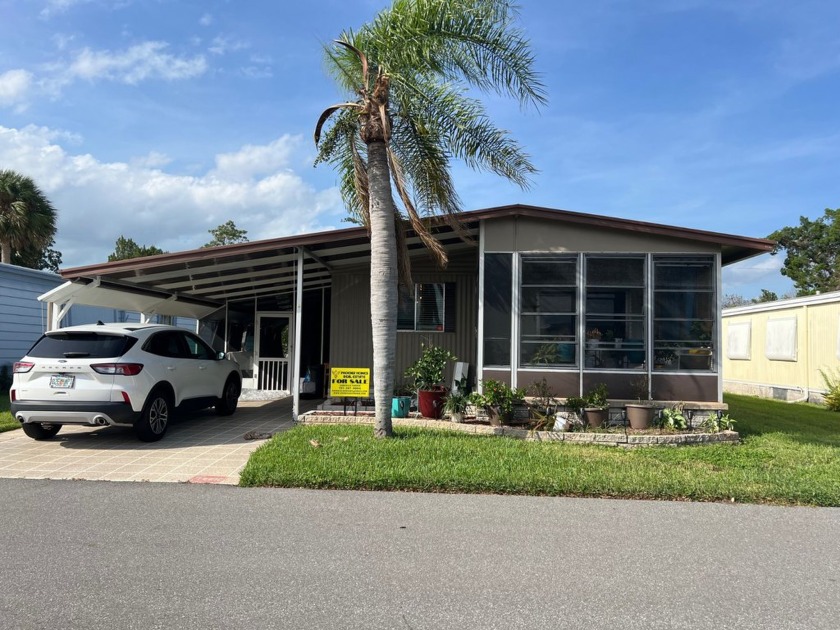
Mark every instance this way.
x=273 y=375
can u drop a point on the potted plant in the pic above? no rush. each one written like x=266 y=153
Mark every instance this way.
x=427 y=373
x=640 y=413
x=596 y=408
x=457 y=401
x=498 y=400
x=401 y=402
x=543 y=407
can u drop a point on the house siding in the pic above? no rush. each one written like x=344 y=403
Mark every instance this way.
x=525 y=234
x=22 y=317
x=350 y=333
x=817 y=348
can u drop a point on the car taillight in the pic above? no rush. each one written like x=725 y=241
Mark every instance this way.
x=13 y=395
x=126 y=399
x=22 y=367
x=119 y=369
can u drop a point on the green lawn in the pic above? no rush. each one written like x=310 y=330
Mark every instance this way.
x=790 y=455
x=7 y=423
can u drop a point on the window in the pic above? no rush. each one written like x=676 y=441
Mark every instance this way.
x=548 y=311
x=684 y=312
x=430 y=309
x=615 y=312
x=197 y=348
x=498 y=288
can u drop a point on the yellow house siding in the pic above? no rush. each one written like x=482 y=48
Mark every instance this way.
x=817 y=326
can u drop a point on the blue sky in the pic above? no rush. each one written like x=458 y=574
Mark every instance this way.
x=161 y=119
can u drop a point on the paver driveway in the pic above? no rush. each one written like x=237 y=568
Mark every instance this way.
x=198 y=447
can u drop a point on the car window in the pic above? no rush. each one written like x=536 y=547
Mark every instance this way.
x=165 y=344
x=197 y=348
x=70 y=345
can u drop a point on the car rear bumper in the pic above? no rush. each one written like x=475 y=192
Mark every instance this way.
x=92 y=414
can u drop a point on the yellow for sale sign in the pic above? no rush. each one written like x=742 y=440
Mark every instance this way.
x=349 y=382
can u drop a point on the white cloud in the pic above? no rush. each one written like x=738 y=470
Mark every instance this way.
x=222 y=45
x=206 y=19
x=137 y=63
x=255 y=160
x=98 y=201
x=56 y=7
x=14 y=86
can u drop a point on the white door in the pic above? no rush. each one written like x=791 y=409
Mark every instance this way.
x=274 y=350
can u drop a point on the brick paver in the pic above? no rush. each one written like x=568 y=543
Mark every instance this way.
x=197 y=448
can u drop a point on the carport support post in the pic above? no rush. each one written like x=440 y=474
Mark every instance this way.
x=298 y=321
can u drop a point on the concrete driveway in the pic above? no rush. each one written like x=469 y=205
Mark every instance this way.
x=197 y=448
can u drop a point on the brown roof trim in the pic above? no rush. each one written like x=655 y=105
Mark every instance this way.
x=744 y=246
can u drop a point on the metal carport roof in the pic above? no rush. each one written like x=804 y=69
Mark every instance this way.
x=196 y=282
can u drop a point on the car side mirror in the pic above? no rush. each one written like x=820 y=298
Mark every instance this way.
x=220 y=356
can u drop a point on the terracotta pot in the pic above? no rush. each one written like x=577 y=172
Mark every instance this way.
x=430 y=402
x=639 y=416
x=596 y=417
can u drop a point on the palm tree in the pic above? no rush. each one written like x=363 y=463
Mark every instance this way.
x=409 y=72
x=27 y=218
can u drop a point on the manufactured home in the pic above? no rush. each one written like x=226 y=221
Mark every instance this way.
x=780 y=349
x=534 y=293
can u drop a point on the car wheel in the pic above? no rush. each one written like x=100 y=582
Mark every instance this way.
x=230 y=398
x=39 y=431
x=154 y=420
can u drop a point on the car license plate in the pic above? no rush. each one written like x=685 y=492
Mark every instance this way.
x=62 y=381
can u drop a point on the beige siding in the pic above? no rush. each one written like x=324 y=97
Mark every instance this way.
x=350 y=333
x=816 y=349
x=532 y=235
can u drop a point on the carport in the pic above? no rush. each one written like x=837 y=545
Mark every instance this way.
x=236 y=292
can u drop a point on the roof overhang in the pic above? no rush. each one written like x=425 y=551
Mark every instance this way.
x=196 y=282
x=99 y=292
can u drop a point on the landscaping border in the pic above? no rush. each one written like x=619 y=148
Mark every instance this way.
x=623 y=440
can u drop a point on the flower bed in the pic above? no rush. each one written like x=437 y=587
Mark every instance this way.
x=618 y=436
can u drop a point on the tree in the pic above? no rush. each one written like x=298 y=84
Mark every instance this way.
x=409 y=73
x=765 y=296
x=27 y=218
x=811 y=253
x=38 y=257
x=126 y=248
x=731 y=300
x=227 y=234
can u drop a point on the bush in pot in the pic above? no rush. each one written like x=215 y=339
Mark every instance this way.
x=640 y=414
x=427 y=373
x=498 y=400
x=457 y=401
x=596 y=408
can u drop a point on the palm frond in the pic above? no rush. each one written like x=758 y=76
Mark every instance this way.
x=424 y=234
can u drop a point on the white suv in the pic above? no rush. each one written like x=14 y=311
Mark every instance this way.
x=132 y=375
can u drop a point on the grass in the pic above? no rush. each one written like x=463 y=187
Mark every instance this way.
x=790 y=455
x=7 y=423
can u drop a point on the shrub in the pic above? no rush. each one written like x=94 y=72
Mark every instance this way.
x=831 y=398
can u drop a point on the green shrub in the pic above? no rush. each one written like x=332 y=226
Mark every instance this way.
x=832 y=389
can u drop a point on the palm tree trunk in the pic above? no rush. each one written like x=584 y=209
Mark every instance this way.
x=6 y=252
x=383 y=284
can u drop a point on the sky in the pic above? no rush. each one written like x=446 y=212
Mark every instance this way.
x=159 y=120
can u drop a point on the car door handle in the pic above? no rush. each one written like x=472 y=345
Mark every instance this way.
x=171 y=368
x=202 y=367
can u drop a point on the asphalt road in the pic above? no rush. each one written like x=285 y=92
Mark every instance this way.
x=114 y=555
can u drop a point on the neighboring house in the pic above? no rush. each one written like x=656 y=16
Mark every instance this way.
x=777 y=349
x=23 y=318
x=574 y=298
